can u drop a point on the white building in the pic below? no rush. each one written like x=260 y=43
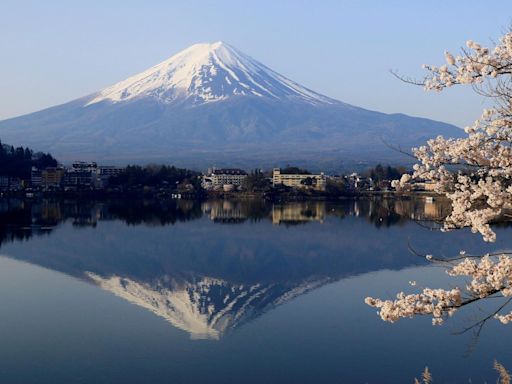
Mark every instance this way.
x=293 y=180
x=36 y=177
x=81 y=174
x=109 y=170
x=218 y=178
x=90 y=174
x=84 y=166
x=357 y=182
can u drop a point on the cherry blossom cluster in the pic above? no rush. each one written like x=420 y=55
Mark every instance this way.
x=473 y=66
x=437 y=302
x=489 y=275
x=475 y=173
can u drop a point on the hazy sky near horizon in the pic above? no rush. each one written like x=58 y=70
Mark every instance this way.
x=55 y=51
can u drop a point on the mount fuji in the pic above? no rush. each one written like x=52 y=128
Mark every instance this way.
x=211 y=104
x=206 y=73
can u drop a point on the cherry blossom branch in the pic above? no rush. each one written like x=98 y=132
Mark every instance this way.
x=482 y=322
x=475 y=174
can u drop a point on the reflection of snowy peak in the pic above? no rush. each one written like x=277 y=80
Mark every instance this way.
x=205 y=73
x=205 y=308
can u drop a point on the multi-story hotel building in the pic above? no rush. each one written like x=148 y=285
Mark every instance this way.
x=217 y=178
x=317 y=182
x=52 y=177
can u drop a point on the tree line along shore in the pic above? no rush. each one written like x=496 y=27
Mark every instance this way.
x=24 y=172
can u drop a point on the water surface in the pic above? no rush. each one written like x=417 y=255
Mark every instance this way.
x=229 y=292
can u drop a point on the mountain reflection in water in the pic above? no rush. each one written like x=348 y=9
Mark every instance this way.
x=208 y=280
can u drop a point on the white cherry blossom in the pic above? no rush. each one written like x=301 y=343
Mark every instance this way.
x=475 y=173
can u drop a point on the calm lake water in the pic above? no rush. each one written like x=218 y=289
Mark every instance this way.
x=230 y=292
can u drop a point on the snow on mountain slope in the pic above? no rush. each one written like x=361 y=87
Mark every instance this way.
x=205 y=73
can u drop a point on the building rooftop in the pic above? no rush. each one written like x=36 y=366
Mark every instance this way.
x=229 y=171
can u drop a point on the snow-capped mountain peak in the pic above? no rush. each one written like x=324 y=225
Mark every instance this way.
x=212 y=104
x=206 y=73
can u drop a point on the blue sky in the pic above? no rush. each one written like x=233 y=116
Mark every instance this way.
x=56 y=51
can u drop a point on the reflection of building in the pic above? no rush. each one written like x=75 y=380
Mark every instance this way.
x=51 y=212
x=412 y=209
x=224 y=211
x=420 y=209
x=298 y=212
x=436 y=210
x=235 y=211
x=292 y=180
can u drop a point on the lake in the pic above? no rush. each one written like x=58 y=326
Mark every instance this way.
x=231 y=292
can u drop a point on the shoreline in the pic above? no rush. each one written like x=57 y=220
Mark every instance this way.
x=272 y=196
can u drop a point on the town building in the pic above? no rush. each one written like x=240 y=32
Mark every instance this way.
x=36 y=177
x=356 y=182
x=81 y=175
x=317 y=182
x=8 y=183
x=109 y=170
x=424 y=186
x=218 y=178
x=105 y=172
x=84 y=166
x=51 y=177
x=78 y=179
x=4 y=183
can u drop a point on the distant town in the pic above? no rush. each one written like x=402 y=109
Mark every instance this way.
x=23 y=172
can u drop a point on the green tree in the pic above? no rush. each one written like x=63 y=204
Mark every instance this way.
x=257 y=181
